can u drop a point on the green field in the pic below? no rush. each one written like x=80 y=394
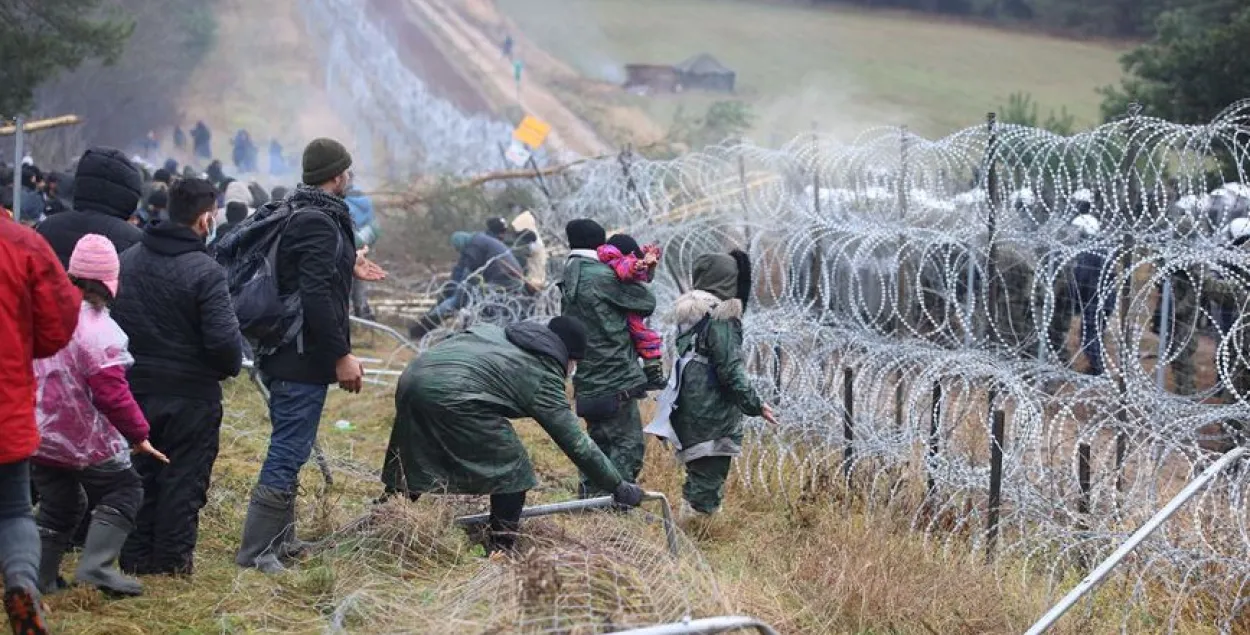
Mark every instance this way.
x=843 y=70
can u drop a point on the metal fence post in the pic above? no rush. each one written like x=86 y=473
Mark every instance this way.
x=1165 y=325
x=848 y=421
x=935 y=424
x=19 y=135
x=997 y=438
x=777 y=373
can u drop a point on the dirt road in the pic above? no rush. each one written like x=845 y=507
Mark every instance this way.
x=480 y=53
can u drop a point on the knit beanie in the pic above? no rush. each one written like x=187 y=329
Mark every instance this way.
x=584 y=233
x=625 y=244
x=570 y=331
x=325 y=159
x=158 y=199
x=161 y=176
x=497 y=226
x=95 y=258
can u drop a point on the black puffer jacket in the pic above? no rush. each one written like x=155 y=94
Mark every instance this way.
x=106 y=192
x=173 y=304
x=315 y=259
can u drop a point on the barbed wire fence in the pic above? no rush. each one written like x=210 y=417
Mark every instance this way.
x=1029 y=341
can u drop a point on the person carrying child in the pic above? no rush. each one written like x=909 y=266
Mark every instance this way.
x=635 y=264
x=88 y=422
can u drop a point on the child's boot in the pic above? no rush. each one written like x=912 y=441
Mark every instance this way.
x=98 y=564
x=654 y=370
x=52 y=548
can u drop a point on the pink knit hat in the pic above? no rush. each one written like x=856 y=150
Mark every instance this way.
x=95 y=258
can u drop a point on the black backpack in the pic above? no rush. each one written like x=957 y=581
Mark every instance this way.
x=250 y=256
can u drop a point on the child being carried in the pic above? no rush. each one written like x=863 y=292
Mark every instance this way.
x=636 y=264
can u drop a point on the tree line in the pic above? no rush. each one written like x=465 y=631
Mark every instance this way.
x=1108 y=18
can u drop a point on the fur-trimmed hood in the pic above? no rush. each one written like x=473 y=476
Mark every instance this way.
x=693 y=305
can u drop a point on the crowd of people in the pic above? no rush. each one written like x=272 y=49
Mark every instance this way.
x=130 y=306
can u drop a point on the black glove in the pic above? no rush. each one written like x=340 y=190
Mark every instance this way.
x=627 y=495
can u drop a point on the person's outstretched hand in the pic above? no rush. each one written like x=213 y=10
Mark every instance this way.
x=350 y=373
x=627 y=495
x=366 y=269
x=146 y=448
x=768 y=415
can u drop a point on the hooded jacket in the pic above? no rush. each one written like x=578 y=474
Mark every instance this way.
x=452 y=431
x=107 y=189
x=536 y=263
x=174 y=306
x=715 y=391
x=592 y=293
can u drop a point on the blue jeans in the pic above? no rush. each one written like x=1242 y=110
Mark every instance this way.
x=19 y=538
x=295 y=411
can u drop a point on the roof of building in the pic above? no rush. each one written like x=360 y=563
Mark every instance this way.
x=704 y=64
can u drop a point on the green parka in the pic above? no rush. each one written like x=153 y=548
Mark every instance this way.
x=592 y=293
x=452 y=431
x=715 y=391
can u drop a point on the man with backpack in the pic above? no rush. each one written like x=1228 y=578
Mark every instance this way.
x=295 y=303
x=185 y=340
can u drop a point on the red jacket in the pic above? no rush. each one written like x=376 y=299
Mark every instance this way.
x=38 y=315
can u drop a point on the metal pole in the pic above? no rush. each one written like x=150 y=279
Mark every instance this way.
x=934 y=430
x=1096 y=577
x=1165 y=310
x=848 y=421
x=18 y=139
x=585 y=504
x=705 y=626
x=997 y=438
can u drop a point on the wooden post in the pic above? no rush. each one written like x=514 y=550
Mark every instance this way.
x=777 y=374
x=935 y=430
x=997 y=438
x=746 y=209
x=848 y=422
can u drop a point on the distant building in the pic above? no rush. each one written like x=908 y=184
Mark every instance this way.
x=701 y=72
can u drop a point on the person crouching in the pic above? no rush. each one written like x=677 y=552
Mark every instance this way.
x=452 y=433
x=88 y=422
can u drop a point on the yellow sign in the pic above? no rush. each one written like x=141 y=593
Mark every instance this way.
x=531 y=131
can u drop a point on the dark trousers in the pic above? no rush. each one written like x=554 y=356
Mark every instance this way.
x=19 y=538
x=167 y=526
x=63 y=493
x=620 y=438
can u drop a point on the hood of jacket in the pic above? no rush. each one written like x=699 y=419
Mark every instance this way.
x=717 y=274
x=238 y=192
x=171 y=239
x=693 y=305
x=108 y=183
x=536 y=338
x=460 y=240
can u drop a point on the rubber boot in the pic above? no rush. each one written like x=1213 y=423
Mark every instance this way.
x=52 y=548
x=98 y=564
x=267 y=521
x=291 y=546
x=25 y=611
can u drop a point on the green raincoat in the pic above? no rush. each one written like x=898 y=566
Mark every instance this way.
x=715 y=392
x=452 y=431
x=592 y=293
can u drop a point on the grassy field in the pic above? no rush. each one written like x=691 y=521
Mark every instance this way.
x=805 y=560
x=840 y=69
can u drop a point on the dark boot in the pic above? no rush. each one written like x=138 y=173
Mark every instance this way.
x=654 y=370
x=418 y=329
x=25 y=613
x=53 y=546
x=98 y=564
x=267 y=521
x=291 y=546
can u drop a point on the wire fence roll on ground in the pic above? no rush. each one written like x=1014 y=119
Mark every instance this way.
x=1083 y=293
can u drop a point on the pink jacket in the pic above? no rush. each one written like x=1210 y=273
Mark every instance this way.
x=84 y=408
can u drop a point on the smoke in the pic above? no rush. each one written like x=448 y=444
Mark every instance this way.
x=826 y=102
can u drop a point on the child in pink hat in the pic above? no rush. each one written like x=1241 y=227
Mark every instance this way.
x=88 y=422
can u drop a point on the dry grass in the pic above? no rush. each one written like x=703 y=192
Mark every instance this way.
x=805 y=557
x=840 y=68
